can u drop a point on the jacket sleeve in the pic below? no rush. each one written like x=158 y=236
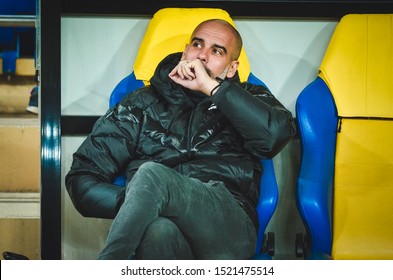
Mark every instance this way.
x=102 y=156
x=264 y=123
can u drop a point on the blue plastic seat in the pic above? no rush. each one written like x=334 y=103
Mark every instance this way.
x=317 y=119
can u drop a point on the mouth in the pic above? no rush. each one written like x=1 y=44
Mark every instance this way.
x=209 y=72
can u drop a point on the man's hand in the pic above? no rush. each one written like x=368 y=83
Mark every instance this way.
x=193 y=75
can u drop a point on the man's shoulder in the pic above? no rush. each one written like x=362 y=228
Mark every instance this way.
x=256 y=89
x=142 y=97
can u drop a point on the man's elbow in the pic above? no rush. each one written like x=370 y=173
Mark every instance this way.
x=274 y=140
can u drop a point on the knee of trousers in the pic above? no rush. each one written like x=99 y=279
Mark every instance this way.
x=163 y=240
x=162 y=230
x=149 y=173
x=151 y=170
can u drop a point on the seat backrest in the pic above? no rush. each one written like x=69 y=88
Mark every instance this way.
x=358 y=70
x=169 y=31
x=316 y=116
x=358 y=66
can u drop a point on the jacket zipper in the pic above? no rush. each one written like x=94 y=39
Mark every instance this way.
x=189 y=155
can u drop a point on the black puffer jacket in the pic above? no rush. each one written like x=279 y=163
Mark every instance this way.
x=221 y=138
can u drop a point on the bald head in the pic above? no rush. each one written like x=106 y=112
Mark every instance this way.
x=231 y=30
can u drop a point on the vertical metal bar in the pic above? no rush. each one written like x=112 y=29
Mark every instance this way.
x=50 y=17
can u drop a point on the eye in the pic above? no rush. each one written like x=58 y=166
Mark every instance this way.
x=196 y=44
x=217 y=51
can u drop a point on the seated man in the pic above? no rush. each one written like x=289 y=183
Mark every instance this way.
x=191 y=145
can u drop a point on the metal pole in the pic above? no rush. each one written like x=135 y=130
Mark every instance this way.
x=17 y=21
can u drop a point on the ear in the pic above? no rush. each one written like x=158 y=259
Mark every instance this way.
x=233 y=68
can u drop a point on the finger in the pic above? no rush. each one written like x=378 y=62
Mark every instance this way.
x=173 y=72
x=189 y=72
x=184 y=69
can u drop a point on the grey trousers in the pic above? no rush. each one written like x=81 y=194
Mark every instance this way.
x=166 y=215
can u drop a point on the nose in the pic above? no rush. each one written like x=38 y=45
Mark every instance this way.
x=202 y=56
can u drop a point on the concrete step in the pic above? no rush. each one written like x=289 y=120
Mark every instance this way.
x=20 y=154
x=19 y=165
x=20 y=224
x=19 y=205
x=15 y=93
x=21 y=236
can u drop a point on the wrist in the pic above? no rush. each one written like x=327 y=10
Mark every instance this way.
x=215 y=88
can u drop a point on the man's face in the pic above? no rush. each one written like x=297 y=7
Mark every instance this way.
x=213 y=44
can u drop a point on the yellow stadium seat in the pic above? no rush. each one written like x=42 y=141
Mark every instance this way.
x=345 y=118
